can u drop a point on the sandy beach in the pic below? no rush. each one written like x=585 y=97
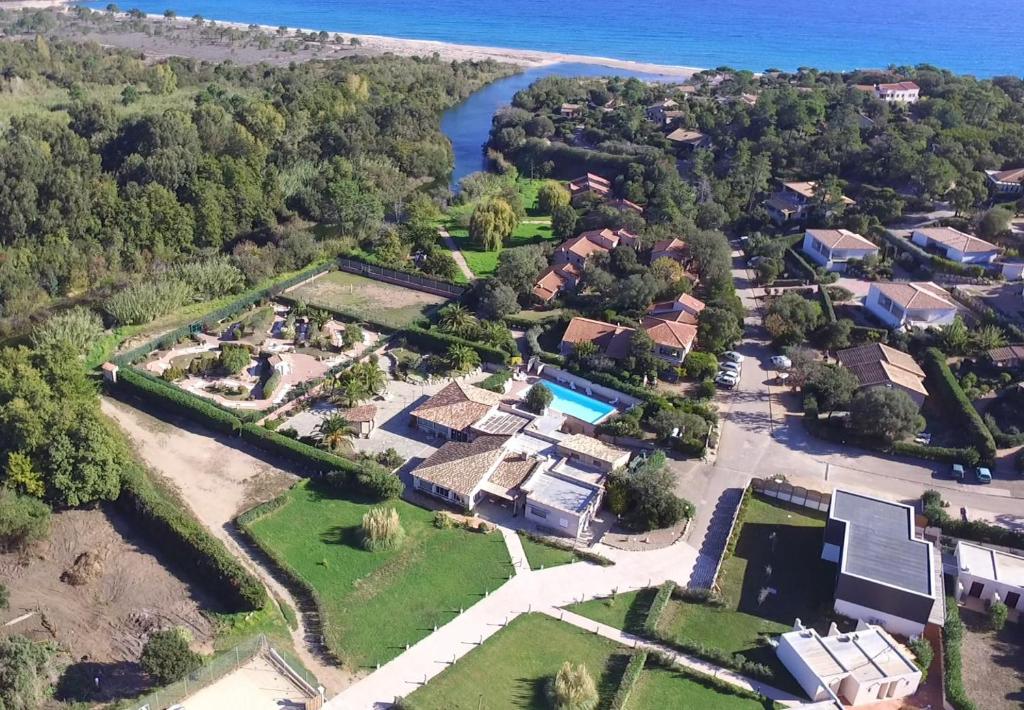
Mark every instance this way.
x=380 y=44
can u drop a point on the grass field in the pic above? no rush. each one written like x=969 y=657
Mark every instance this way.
x=362 y=298
x=540 y=555
x=513 y=667
x=660 y=688
x=626 y=611
x=375 y=603
x=774 y=576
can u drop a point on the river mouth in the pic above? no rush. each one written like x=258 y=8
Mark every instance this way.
x=469 y=124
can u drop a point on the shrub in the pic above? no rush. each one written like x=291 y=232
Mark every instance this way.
x=953 y=634
x=444 y=521
x=634 y=669
x=167 y=657
x=390 y=459
x=923 y=655
x=646 y=498
x=76 y=328
x=234 y=358
x=437 y=341
x=173 y=374
x=382 y=529
x=271 y=384
x=381 y=483
x=143 y=302
x=23 y=519
x=997 y=614
x=26 y=670
x=170 y=525
x=538 y=399
x=496 y=382
x=657 y=608
x=164 y=395
x=573 y=688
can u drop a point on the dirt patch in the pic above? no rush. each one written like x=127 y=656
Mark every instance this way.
x=218 y=482
x=99 y=591
x=377 y=301
x=993 y=663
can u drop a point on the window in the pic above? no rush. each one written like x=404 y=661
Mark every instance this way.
x=538 y=512
x=439 y=491
x=1012 y=599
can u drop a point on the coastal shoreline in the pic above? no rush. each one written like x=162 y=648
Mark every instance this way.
x=401 y=46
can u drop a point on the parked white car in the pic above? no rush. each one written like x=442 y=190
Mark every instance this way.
x=781 y=362
x=727 y=379
x=731 y=367
x=732 y=356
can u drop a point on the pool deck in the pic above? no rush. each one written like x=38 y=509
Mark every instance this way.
x=520 y=387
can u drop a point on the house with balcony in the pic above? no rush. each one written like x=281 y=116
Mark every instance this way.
x=588 y=185
x=910 y=304
x=672 y=339
x=687 y=140
x=900 y=92
x=878 y=365
x=1006 y=183
x=955 y=245
x=833 y=249
x=683 y=309
x=555 y=280
x=794 y=200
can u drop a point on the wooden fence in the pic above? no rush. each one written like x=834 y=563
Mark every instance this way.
x=797 y=495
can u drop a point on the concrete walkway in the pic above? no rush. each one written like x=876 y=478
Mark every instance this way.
x=690 y=662
x=514 y=544
x=528 y=591
x=460 y=260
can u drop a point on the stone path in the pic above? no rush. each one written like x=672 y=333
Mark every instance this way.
x=716 y=538
x=694 y=664
x=460 y=260
x=528 y=591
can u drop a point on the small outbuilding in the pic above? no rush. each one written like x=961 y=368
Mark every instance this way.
x=989 y=575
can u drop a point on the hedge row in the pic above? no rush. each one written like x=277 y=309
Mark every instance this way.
x=155 y=390
x=634 y=669
x=953 y=634
x=514 y=321
x=271 y=384
x=961 y=409
x=242 y=302
x=826 y=303
x=713 y=654
x=368 y=259
x=809 y=273
x=344 y=316
x=968 y=455
x=256 y=512
x=438 y=341
x=937 y=263
x=708 y=681
x=179 y=535
x=1002 y=439
x=975 y=530
x=320 y=461
x=657 y=609
x=496 y=382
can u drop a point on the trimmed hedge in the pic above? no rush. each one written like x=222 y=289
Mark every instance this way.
x=826 y=303
x=438 y=341
x=708 y=681
x=953 y=634
x=320 y=461
x=657 y=609
x=634 y=669
x=937 y=263
x=823 y=430
x=157 y=391
x=496 y=382
x=734 y=661
x=976 y=530
x=962 y=410
x=809 y=273
x=180 y=536
x=271 y=384
x=258 y=511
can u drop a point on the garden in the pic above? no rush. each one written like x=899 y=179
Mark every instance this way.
x=367 y=300
x=374 y=602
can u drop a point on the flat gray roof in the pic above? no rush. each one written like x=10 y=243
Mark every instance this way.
x=560 y=493
x=879 y=542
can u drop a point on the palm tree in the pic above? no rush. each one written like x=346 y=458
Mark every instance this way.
x=988 y=337
x=371 y=376
x=462 y=358
x=336 y=432
x=350 y=387
x=456 y=318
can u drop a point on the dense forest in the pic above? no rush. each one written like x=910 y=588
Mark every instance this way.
x=808 y=125
x=116 y=171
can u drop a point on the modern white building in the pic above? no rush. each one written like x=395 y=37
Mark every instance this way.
x=984 y=573
x=886 y=574
x=910 y=304
x=956 y=245
x=900 y=92
x=859 y=668
x=835 y=248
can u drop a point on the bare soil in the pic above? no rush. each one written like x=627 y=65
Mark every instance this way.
x=117 y=591
x=993 y=663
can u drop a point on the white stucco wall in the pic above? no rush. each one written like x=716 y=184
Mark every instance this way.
x=892 y=624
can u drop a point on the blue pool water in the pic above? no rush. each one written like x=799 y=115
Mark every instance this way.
x=979 y=37
x=576 y=404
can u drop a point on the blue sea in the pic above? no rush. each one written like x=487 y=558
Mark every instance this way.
x=980 y=37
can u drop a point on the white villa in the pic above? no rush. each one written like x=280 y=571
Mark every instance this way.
x=859 y=668
x=956 y=245
x=834 y=248
x=910 y=305
x=1006 y=182
x=987 y=574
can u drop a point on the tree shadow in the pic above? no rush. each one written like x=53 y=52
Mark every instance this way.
x=348 y=535
x=121 y=679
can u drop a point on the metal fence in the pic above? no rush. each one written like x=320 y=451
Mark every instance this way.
x=402 y=278
x=211 y=671
x=797 y=495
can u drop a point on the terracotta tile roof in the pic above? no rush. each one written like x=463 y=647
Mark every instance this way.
x=457 y=405
x=841 y=239
x=1009 y=352
x=363 y=413
x=899 y=86
x=878 y=364
x=781 y=205
x=681 y=135
x=1013 y=175
x=623 y=204
x=584 y=245
x=682 y=310
x=955 y=239
x=590 y=183
x=664 y=247
x=595 y=448
x=613 y=340
x=672 y=334
x=513 y=470
x=461 y=466
x=807 y=189
x=924 y=295
x=549 y=285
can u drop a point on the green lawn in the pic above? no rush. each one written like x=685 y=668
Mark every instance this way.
x=538 y=554
x=513 y=667
x=360 y=297
x=375 y=603
x=626 y=611
x=779 y=548
x=660 y=688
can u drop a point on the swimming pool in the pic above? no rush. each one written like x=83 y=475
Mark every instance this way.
x=576 y=404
